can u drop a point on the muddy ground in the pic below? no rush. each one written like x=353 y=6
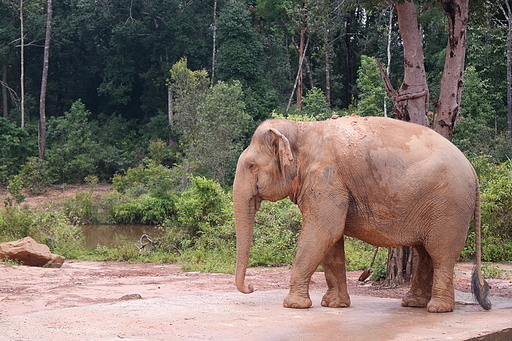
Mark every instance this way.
x=26 y=289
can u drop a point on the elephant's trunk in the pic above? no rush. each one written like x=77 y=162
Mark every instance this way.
x=245 y=207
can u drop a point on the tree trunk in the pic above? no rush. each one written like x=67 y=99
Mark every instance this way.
x=214 y=28
x=448 y=105
x=401 y=261
x=298 y=90
x=5 y=97
x=388 y=52
x=327 y=59
x=507 y=12
x=22 y=67
x=44 y=82
x=411 y=98
x=409 y=105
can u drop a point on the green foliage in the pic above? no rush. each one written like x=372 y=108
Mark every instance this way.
x=17 y=144
x=314 y=105
x=496 y=200
x=371 y=89
x=314 y=108
x=491 y=271
x=203 y=205
x=49 y=227
x=73 y=151
x=275 y=233
x=211 y=121
x=145 y=209
x=239 y=49
x=475 y=133
x=53 y=229
x=359 y=255
x=15 y=222
x=33 y=177
x=85 y=208
x=152 y=178
x=221 y=122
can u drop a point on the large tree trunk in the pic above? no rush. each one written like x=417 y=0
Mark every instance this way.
x=448 y=105
x=44 y=82
x=410 y=100
x=410 y=104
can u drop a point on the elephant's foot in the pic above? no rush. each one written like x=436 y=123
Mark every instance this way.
x=334 y=299
x=438 y=305
x=297 y=302
x=414 y=300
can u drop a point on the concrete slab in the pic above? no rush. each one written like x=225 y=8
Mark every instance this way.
x=258 y=316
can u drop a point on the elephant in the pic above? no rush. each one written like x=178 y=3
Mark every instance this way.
x=384 y=181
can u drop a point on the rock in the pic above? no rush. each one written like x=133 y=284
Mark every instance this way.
x=29 y=252
x=130 y=297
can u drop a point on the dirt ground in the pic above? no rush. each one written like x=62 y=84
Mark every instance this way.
x=26 y=289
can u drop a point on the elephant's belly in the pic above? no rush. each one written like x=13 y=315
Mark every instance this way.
x=383 y=237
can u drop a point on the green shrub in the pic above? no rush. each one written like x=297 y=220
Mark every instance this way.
x=48 y=227
x=275 y=233
x=146 y=210
x=85 y=208
x=496 y=200
x=53 y=229
x=151 y=178
x=15 y=222
x=33 y=177
x=203 y=205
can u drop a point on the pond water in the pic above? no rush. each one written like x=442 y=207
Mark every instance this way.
x=117 y=235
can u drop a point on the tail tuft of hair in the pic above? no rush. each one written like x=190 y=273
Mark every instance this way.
x=480 y=291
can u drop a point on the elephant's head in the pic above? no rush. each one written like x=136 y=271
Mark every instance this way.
x=265 y=171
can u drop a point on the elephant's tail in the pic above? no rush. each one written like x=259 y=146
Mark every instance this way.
x=479 y=286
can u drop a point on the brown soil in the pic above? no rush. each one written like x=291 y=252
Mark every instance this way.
x=26 y=289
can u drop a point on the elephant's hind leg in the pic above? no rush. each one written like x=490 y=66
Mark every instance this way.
x=421 y=285
x=335 y=275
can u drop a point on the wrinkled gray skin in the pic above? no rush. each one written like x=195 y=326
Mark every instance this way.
x=384 y=181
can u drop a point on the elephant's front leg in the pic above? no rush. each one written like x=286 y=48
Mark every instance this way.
x=336 y=277
x=317 y=238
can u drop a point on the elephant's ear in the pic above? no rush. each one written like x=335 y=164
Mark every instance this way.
x=282 y=148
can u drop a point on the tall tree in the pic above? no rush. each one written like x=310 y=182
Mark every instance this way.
x=507 y=13
x=411 y=100
x=448 y=104
x=22 y=65
x=44 y=81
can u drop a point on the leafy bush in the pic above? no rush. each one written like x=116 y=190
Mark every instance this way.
x=15 y=222
x=84 y=208
x=496 y=200
x=150 y=178
x=275 y=233
x=53 y=229
x=203 y=205
x=145 y=210
x=72 y=148
x=48 y=227
x=17 y=145
x=33 y=177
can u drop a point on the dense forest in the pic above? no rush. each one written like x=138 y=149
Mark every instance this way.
x=160 y=97
x=200 y=75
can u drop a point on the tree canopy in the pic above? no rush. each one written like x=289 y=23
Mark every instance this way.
x=121 y=67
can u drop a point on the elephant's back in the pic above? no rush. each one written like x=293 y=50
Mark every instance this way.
x=400 y=157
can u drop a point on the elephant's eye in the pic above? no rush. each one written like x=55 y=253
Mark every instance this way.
x=252 y=166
